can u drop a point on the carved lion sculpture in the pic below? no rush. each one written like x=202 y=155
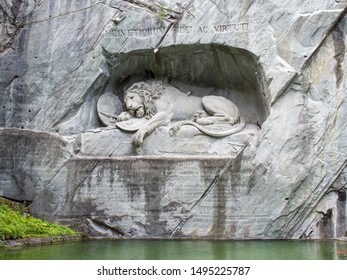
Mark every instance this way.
x=161 y=104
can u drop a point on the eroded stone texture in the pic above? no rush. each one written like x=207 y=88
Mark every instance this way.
x=14 y=15
x=281 y=62
x=29 y=160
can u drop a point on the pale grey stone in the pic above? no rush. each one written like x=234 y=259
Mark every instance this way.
x=282 y=63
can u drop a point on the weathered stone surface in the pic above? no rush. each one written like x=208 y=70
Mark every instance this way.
x=188 y=141
x=281 y=62
x=29 y=160
x=14 y=15
x=146 y=197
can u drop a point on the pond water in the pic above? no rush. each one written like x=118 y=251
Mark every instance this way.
x=181 y=250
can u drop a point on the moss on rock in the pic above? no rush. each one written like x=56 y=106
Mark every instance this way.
x=17 y=224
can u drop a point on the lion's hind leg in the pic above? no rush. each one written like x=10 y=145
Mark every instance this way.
x=220 y=109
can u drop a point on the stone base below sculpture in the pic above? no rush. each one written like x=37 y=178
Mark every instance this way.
x=153 y=198
x=188 y=141
x=225 y=197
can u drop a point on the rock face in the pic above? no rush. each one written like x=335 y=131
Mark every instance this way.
x=66 y=69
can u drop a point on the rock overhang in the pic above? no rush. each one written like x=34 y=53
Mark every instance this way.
x=200 y=69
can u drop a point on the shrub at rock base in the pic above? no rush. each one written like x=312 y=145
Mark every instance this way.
x=14 y=225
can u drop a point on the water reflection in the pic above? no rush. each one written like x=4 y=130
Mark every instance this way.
x=182 y=249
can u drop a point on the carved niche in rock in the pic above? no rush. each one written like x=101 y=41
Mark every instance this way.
x=153 y=104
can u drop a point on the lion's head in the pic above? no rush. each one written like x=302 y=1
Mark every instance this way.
x=140 y=98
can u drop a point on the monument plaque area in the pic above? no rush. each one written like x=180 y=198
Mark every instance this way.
x=193 y=119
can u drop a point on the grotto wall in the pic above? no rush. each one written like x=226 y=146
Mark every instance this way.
x=67 y=67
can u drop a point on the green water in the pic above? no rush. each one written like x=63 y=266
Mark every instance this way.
x=181 y=249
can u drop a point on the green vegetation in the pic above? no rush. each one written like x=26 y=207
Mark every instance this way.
x=15 y=223
x=162 y=13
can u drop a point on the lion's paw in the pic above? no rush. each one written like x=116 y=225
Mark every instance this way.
x=124 y=116
x=176 y=127
x=137 y=139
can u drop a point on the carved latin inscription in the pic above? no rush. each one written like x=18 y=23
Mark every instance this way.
x=160 y=31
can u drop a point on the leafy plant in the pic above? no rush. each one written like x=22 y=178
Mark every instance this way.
x=15 y=225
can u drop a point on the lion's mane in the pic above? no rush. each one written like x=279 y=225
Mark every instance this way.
x=149 y=91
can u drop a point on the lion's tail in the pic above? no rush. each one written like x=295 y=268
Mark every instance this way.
x=218 y=134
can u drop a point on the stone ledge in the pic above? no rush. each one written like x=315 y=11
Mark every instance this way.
x=33 y=241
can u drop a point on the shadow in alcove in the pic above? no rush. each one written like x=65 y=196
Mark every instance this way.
x=208 y=69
